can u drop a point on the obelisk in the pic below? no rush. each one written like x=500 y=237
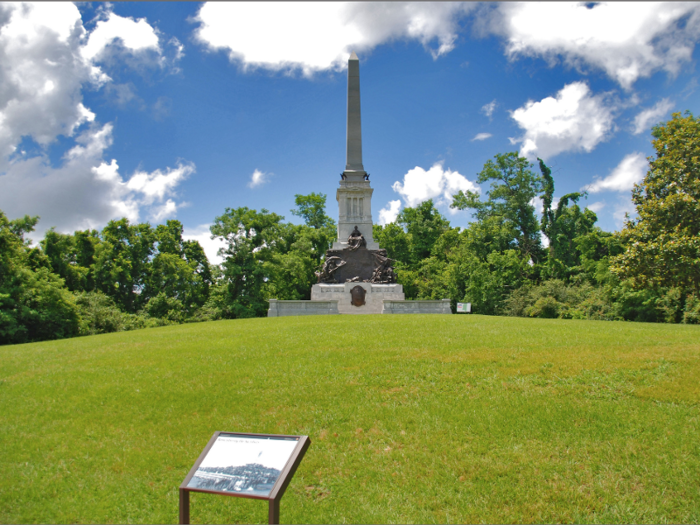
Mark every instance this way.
x=354 y=123
x=355 y=193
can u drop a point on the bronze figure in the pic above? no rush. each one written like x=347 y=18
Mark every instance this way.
x=330 y=265
x=356 y=239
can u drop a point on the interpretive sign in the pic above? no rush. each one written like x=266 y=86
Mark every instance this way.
x=465 y=308
x=256 y=466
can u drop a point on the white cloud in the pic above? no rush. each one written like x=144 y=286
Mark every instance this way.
x=627 y=40
x=651 y=116
x=258 y=178
x=47 y=59
x=574 y=120
x=157 y=185
x=595 y=207
x=436 y=183
x=389 y=212
x=316 y=36
x=85 y=191
x=40 y=77
x=481 y=136
x=133 y=35
x=165 y=211
x=631 y=170
x=210 y=246
x=488 y=109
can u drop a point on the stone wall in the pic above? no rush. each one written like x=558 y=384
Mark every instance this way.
x=441 y=306
x=284 y=308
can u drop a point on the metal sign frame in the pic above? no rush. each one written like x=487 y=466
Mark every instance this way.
x=275 y=494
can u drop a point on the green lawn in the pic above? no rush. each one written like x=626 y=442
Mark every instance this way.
x=412 y=419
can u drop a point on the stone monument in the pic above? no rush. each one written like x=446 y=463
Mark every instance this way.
x=356 y=277
x=356 y=271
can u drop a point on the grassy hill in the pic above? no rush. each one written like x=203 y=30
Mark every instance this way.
x=412 y=419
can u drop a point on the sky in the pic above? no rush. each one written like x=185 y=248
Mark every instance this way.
x=179 y=110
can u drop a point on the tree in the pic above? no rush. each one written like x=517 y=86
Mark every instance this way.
x=251 y=237
x=424 y=224
x=663 y=242
x=179 y=272
x=71 y=257
x=290 y=268
x=321 y=231
x=562 y=226
x=395 y=241
x=513 y=188
x=34 y=304
x=123 y=263
x=312 y=208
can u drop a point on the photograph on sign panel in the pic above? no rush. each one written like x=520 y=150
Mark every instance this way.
x=243 y=464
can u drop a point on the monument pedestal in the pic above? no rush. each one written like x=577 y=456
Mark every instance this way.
x=354 y=198
x=374 y=296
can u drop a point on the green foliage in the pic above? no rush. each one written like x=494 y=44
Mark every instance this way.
x=251 y=237
x=557 y=299
x=410 y=241
x=34 y=304
x=99 y=315
x=38 y=308
x=179 y=272
x=72 y=257
x=122 y=263
x=164 y=307
x=395 y=241
x=312 y=208
x=423 y=224
x=691 y=313
x=513 y=188
x=320 y=231
x=663 y=243
x=563 y=227
x=290 y=269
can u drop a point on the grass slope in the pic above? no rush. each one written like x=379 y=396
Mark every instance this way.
x=412 y=419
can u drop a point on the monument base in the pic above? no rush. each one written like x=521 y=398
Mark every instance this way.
x=374 y=296
x=340 y=299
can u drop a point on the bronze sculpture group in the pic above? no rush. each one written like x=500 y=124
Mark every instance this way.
x=383 y=272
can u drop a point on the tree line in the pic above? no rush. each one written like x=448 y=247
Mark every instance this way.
x=130 y=276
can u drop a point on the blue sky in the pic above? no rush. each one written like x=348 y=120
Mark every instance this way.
x=178 y=110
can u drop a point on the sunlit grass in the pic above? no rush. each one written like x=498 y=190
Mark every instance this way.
x=412 y=419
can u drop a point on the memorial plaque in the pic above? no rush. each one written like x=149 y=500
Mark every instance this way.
x=256 y=466
x=243 y=464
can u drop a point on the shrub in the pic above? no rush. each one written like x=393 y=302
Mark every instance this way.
x=167 y=308
x=98 y=314
x=691 y=313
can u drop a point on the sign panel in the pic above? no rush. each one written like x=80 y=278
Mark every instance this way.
x=243 y=465
x=464 y=308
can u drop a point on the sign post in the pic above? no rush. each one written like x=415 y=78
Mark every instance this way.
x=258 y=466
